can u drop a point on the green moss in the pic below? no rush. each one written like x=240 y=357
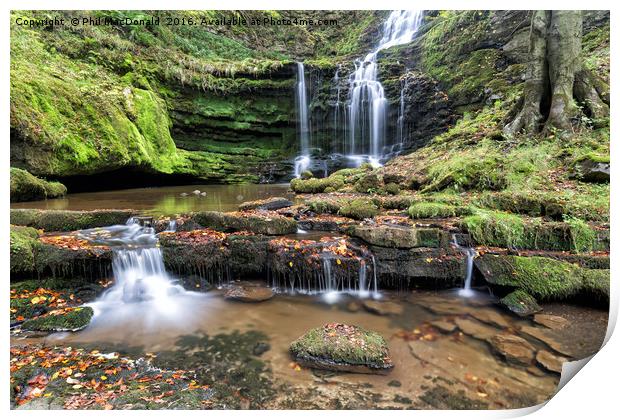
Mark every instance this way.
x=26 y=187
x=368 y=183
x=429 y=210
x=22 y=247
x=68 y=220
x=317 y=185
x=324 y=205
x=507 y=230
x=23 y=308
x=521 y=303
x=392 y=188
x=328 y=343
x=542 y=278
x=74 y=320
x=596 y=284
x=359 y=209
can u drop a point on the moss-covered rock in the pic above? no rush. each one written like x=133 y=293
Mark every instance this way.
x=397 y=236
x=596 y=284
x=342 y=347
x=325 y=205
x=27 y=187
x=73 y=320
x=263 y=223
x=430 y=210
x=542 y=278
x=68 y=220
x=317 y=185
x=512 y=231
x=22 y=247
x=521 y=303
x=368 y=183
x=359 y=209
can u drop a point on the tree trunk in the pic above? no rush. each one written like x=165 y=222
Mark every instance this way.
x=564 y=59
x=555 y=77
x=530 y=117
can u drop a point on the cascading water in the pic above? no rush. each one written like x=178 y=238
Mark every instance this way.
x=302 y=162
x=367 y=102
x=140 y=277
x=470 y=254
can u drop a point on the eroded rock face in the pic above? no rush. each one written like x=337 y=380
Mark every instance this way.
x=248 y=292
x=342 y=347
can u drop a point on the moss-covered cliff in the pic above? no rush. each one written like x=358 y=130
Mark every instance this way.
x=213 y=103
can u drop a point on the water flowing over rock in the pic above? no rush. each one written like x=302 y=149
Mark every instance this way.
x=367 y=104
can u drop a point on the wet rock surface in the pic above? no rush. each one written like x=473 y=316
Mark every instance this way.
x=550 y=361
x=515 y=349
x=553 y=322
x=382 y=307
x=249 y=292
x=273 y=203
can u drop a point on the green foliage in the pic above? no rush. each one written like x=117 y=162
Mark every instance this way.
x=74 y=320
x=359 y=209
x=582 y=235
x=26 y=187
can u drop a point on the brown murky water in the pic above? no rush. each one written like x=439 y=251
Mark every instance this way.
x=164 y=200
x=465 y=366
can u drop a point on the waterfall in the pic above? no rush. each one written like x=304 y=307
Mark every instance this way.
x=302 y=162
x=469 y=253
x=367 y=104
x=137 y=264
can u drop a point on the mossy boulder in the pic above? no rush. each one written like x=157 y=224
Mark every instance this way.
x=27 y=187
x=317 y=185
x=430 y=210
x=68 y=220
x=359 y=209
x=397 y=236
x=73 y=320
x=263 y=223
x=342 y=347
x=542 y=278
x=592 y=168
x=521 y=303
x=22 y=247
x=368 y=183
x=322 y=205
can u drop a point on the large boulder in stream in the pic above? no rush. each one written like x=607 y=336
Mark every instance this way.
x=342 y=347
x=27 y=187
x=266 y=223
x=69 y=220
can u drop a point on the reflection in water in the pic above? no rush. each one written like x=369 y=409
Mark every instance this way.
x=164 y=200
